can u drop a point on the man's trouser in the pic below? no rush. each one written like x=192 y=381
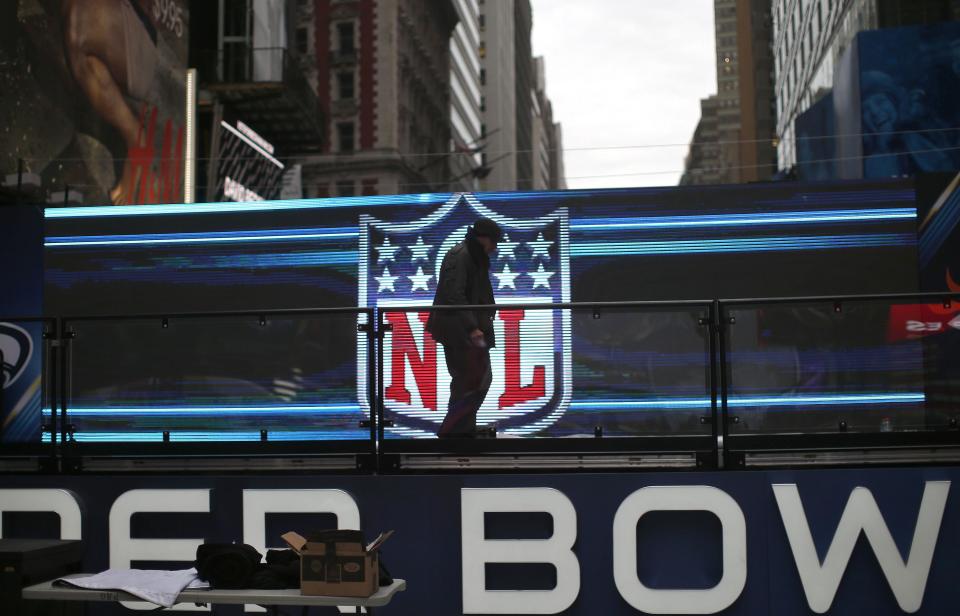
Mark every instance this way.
x=469 y=368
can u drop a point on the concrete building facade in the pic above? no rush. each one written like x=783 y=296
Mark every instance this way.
x=498 y=79
x=701 y=163
x=466 y=98
x=382 y=70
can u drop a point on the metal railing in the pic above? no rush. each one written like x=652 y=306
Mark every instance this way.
x=713 y=384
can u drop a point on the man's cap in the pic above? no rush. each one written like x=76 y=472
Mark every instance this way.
x=485 y=227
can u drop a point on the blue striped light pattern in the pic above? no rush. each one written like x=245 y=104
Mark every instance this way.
x=743 y=244
x=269 y=235
x=593 y=405
x=218 y=436
x=208 y=411
x=254 y=206
x=738 y=220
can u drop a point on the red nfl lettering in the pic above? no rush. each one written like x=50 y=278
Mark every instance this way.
x=404 y=347
x=514 y=393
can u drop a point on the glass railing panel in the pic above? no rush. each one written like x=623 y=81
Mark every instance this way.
x=611 y=371
x=853 y=366
x=218 y=378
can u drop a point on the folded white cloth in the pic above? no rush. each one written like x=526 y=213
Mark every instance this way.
x=156 y=586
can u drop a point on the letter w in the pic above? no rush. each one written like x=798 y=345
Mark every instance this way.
x=907 y=580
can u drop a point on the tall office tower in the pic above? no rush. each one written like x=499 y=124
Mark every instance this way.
x=498 y=80
x=466 y=99
x=701 y=163
x=525 y=95
x=739 y=118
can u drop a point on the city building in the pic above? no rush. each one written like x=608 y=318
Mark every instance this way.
x=741 y=121
x=544 y=133
x=558 y=172
x=701 y=163
x=809 y=38
x=466 y=98
x=498 y=80
x=522 y=145
x=524 y=97
x=757 y=155
x=382 y=71
x=254 y=102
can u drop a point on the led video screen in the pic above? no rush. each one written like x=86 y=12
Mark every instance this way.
x=556 y=373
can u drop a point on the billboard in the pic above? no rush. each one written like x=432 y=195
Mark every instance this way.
x=881 y=541
x=556 y=372
x=95 y=96
x=896 y=91
x=246 y=168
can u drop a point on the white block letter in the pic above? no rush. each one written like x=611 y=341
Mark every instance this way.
x=685 y=601
x=62 y=502
x=478 y=551
x=907 y=580
x=123 y=549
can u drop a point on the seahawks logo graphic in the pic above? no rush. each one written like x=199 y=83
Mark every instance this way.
x=16 y=348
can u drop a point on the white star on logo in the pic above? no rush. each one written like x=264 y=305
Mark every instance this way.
x=420 y=280
x=386 y=252
x=386 y=281
x=421 y=251
x=540 y=247
x=506 y=278
x=507 y=249
x=540 y=277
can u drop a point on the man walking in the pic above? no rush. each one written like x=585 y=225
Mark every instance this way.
x=466 y=335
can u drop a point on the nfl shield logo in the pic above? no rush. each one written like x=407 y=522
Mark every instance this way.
x=531 y=363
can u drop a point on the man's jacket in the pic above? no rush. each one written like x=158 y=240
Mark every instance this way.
x=464 y=279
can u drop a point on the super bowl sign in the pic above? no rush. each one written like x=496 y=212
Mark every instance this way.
x=531 y=362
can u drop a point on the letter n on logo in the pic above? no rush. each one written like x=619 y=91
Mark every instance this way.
x=403 y=350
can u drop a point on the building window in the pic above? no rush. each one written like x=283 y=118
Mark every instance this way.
x=345 y=85
x=345 y=136
x=482 y=21
x=483 y=77
x=303 y=41
x=346 y=188
x=345 y=37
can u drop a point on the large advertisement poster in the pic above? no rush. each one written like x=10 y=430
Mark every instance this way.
x=899 y=87
x=94 y=95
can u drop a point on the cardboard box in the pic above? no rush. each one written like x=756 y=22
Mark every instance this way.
x=339 y=567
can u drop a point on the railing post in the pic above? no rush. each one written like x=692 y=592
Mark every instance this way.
x=723 y=428
x=19 y=181
x=52 y=368
x=713 y=318
x=372 y=379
